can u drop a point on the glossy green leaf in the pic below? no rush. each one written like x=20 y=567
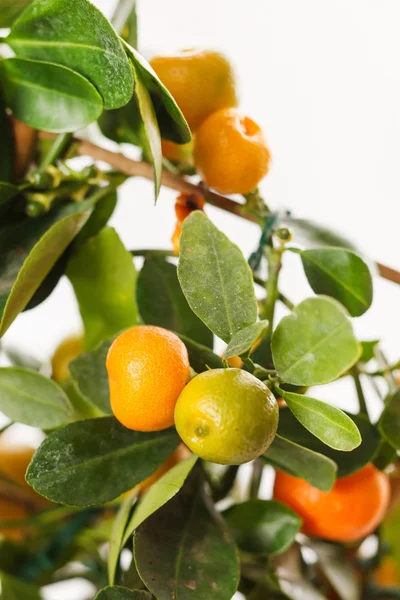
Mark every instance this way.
x=48 y=96
x=339 y=273
x=6 y=147
x=171 y=121
x=51 y=280
x=10 y=10
x=122 y=593
x=347 y=462
x=161 y=301
x=262 y=526
x=389 y=423
x=159 y=494
x=313 y=234
x=151 y=132
x=385 y=455
x=368 y=350
x=90 y=373
x=244 y=340
x=315 y=344
x=76 y=35
x=99 y=218
x=340 y=573
x=16 y=589
x=117 y=532
x=302 y=462
x=192 y=548
x=102 y=269
x=29 y=250
x=29 y=398
x=215 y=278
x=328 y=423
x=91 y=462
x=201 y=358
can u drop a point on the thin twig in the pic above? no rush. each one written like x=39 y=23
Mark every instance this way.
x=360 y=393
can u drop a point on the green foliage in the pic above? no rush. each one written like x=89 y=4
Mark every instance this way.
x=30 y=398
x=341 y=274
x=286 y=455
x=29 y=249
x=10 y=9
x=7 y=191
x=181 y=538
x=329 y=424
x=91 y=462
x=368 y=350
x=304 y=354
x=262 y=526
x=15 y=589
x=201 y=358
x=161 y=302
x=244 y=340
x=389 y=423
x=120 y=593
x=103 y=269
x=6 y=143
x=40 y=95
x=207 y=262
x=78 y=36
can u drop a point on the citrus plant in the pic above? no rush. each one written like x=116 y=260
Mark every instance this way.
x=145 y=424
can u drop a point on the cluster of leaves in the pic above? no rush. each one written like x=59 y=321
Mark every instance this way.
x=184 y=544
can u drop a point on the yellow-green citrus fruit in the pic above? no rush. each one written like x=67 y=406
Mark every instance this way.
x=227 y=416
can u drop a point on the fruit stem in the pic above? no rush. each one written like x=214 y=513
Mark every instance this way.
x=56 y=150
x=274 y=258
x=256 y=477
x=355 y=373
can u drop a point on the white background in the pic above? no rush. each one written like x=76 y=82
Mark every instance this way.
x=323 y=80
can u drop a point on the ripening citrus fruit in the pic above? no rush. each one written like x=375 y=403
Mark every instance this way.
x=184 y=205
x=350 y=511
x=226 y=416
x=14 y=461
x=230 y=152
x=66 y=351
x=201 y=81
x=388 y=573
x=148 y=367
x=179 y=153
x=12 y=511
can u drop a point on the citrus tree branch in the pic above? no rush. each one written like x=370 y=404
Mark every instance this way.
x=135 y=168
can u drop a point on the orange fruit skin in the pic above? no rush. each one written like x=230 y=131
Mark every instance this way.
x=148 y=367
x=349 y=512
x=180 y=153
x=66 y=351
x=201 y=81
x=12 y=511
x=184 y=205
x=230 y=152
x=14 y=461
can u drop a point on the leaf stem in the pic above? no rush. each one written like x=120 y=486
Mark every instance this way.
x=274 y=258
x=360 y=393
x=56 y=150
x=256 y=477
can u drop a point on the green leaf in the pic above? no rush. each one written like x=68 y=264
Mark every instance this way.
x=161 y=301
x=192 y=548
x=389 y=423
x=201 y=358
x=117 y=532
x=385 y=455
x=296 y=460
x=29 y=398
x=159 y=494
x=102 y=212
x=313 y=234
x=215 y=278
x=315 y=344
x=328 y=423
x=48 y=96
x=29 y=250
x=6 y=147
x=339 y=273
x=91 y=462
x=15 y=589
x=149 y=126
x=262 y=526
x=76 y=35
x=7 y=191
x=102 y=269
x=121 y=593
x=347 y=462
x=10 y=10
x=170 y=119
x=244 y=340
x=90 y=373
x=368 y=350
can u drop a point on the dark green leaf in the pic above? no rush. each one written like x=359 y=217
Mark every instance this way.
x=385 y=455
x=90 y=373
x=161 y=301
x=15 y=589
x=244 y=340
x=314 y=234
x=347 y=462
x=29 y=250
x=78 y=36
x=29 y=398
x=102 y=269
x=368 y=350
x=315 y=344
x=91 y=462
x=201 y=358
x=6 y=146
x=195 y=556
x=389 y=423
x=296 y=460
x=51 y=280
x=328 y=423
x=102 y=212
x=215 y=278
x=10 y=10
x=120 y=593
x=117 y=532
x=171 y=122
x=48 y=96
x=7 y=191
x=339 y=572
x=339 y=273
x=262 y=526
x=159 y=494
x=123 y=125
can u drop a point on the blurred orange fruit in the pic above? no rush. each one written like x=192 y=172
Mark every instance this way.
x=67 y=350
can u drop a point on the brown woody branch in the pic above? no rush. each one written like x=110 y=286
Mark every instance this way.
x=143 y=169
